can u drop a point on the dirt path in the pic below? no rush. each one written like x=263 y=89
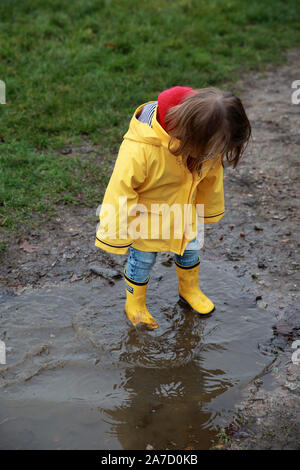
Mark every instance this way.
x=258 y=237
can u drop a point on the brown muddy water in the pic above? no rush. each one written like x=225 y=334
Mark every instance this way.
x=79 y=376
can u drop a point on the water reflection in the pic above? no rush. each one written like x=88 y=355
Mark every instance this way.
x=166 y=387
x=80 y=376
x=164 y=409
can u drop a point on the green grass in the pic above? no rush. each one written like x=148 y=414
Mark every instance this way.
x=81 y=67
x=33 y=183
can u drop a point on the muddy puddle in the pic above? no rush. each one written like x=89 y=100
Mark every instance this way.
x=78 y=376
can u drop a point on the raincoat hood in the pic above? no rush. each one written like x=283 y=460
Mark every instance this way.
x=140 y=132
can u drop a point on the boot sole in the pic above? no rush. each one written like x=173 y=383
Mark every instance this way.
x=185 y=302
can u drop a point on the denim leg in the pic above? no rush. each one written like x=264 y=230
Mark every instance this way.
x=193 y=244
x=189 y=257
x=139 y=264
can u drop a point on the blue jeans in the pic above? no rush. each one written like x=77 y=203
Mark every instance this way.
x=139 y=263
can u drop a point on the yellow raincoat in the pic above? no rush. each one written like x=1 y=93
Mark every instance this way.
x=146 y=180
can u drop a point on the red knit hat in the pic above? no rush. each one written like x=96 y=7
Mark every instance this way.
x=169 y=98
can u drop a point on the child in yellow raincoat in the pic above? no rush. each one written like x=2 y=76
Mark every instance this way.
x=171 y=158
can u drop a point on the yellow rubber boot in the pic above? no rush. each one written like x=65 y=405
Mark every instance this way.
x=135 y=306
x=189 y=290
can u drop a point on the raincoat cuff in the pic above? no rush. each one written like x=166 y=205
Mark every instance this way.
x=111 y=246
x=208 y=219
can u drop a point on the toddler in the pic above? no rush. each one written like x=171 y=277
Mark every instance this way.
x=171 y=157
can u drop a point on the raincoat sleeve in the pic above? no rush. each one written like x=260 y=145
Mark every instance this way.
x=120 y=199
x=210 y=193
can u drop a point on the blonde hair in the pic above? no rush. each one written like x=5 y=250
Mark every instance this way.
x=209 y=124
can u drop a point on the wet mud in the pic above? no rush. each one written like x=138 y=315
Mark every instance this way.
x=78 y=375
